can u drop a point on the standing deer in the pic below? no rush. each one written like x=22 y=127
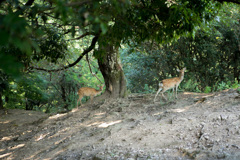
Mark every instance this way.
x=86 y=91
x=167 y=84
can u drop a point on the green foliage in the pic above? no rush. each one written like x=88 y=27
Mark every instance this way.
x=227 y=85
x=26 y=92
x=207 y=89
x=238 y=90
x=211 y=58
x=165 y=20
x=22 y=41
x=52 y=47
x=15 y=39
x=12 y=69
x=138 y=70
x=84 y=77
x=191 y=85
x=235 y=85
x=4 y=85
x=55 y=92
x=147 y=89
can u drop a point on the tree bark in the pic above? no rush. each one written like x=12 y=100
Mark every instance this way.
x=1 y=101
x=111 y=68
x=236 y=72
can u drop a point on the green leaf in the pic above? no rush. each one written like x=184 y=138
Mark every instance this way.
x=9 y=65
x=4 y=38
x=104 y=28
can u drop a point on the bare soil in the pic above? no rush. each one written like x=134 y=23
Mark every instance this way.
x=195 y=126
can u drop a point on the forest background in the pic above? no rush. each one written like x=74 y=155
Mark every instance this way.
x=46 y=57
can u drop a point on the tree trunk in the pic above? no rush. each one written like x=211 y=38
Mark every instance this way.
x=63 y=89
x=111 y=68
x=236 y=65
x=28 y=104
x=1 y=101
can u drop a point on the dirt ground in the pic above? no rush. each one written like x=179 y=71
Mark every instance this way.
x=195 y=126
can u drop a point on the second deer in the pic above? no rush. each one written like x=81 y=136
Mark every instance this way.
x=86 y=91
x=173 y=83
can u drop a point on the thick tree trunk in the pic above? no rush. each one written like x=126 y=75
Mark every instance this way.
x=111 y=68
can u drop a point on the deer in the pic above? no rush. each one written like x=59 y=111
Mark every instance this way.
x=173 y=83
x=87 y=91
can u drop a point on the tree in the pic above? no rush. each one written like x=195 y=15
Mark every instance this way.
x=212 y=57
x=3 y=86
x=230 y=40
x=108 y=23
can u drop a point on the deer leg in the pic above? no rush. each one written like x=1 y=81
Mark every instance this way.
x=77 y=103
x=79 y=99
x=164 y=90
x=157 y=93
x=91 y=99
x=164 y=96
x=172 y=92
x=176 y=91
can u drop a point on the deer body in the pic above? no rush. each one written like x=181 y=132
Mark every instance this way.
x=171 y=83
x=86 y=91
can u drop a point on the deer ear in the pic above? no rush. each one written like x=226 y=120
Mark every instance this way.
x=178 y=70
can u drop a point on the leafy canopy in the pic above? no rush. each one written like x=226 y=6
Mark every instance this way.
x=33 y=30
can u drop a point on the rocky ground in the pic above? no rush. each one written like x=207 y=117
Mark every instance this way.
x=195 y=126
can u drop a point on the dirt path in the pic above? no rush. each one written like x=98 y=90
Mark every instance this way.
x=196 y=126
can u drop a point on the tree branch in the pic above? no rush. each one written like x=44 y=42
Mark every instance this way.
x=74 y=4
x=78 y=3
x=84 y=35
x=91 y=69
x=91 y=47
x=29 y=3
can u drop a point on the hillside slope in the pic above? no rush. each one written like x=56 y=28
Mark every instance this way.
x=195 y=126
